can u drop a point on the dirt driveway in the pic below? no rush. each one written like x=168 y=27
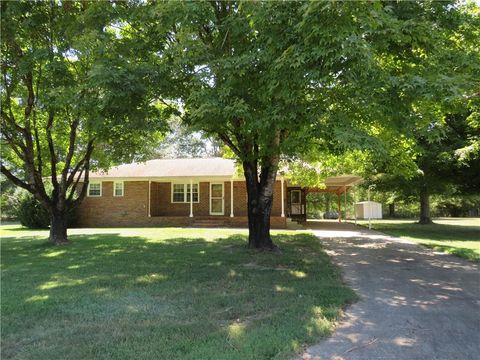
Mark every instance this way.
x=415 y=303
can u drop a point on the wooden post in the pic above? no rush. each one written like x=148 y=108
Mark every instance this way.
x=354 y=202
x=283 y=199
x=345 y=205
x=339 y=208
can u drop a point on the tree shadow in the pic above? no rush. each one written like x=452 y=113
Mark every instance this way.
x=466 y=253
x=434 y=231
x=201 y=291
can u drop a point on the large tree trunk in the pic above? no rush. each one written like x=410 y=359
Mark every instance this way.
x=58 y=228
x=424 y=206
x=260 y=200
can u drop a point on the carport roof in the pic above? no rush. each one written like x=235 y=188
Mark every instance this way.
x=338 y=184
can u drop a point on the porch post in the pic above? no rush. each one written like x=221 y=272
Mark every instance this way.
x=231 y=197
x=345 y=204
x=149 y=197
x=191 y=198
x=283 y=200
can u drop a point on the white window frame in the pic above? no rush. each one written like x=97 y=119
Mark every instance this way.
x=185 y=186
x=123 y=188
x=94 y=182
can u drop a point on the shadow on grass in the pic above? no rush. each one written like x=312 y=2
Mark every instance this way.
x=432 y=231
x=466 y=253
x=120 y=296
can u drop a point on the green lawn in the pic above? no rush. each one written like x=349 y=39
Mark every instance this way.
x=457 y=236
x=164 y=293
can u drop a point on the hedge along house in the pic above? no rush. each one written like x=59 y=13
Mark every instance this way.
x=173 y=192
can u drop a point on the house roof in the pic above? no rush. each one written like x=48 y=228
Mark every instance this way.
x=212 y=167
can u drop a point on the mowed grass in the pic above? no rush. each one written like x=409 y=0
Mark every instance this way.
x=164 y=293
x=457 y=236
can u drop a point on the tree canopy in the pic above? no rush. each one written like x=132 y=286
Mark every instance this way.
x=271 y=80
x=280 y=79
x=69 y=98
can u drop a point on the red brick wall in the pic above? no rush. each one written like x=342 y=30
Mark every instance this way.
x=161 y=201
x=109 y=210
x=240 y=198
x=132 y=208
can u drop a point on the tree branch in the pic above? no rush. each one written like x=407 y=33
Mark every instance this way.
x=16 y=180
x=51 y=148
x=226 y=139
x=86 y=168
x=71 y=149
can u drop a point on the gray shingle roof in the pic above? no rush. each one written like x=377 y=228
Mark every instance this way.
x=171 y=168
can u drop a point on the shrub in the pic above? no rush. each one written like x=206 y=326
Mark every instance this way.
x=32 y=214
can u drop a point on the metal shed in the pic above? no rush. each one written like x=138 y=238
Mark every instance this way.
x=368 y=210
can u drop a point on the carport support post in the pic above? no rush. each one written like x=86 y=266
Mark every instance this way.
x=354 y=201
x=345 y=202
x=191 y=197
x=339 y=208
x=369 y=209
x=283 y=200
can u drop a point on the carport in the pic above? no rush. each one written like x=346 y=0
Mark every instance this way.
x=339 y=185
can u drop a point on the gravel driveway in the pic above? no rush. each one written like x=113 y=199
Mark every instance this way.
x=414 y=303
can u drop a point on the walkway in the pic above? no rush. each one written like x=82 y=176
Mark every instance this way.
x=414 y=303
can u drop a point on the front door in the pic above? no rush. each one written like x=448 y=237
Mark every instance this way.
x=216 y=199
x=296 y=202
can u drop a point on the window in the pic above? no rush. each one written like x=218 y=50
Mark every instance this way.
x=181 y=193
x=95 y=189
x=118 y=188
x=178 y=193
x=194 y=192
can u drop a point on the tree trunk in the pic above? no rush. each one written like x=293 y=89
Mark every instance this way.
x=391 y=209
x=58 y=228
x=424 y=206
x=260 y=200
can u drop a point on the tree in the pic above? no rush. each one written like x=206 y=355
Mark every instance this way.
x=182 y=142
x=67 y=92
x=444 y=129
x=273 y=79
x=439 y=166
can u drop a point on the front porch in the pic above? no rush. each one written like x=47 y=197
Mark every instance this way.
x=207 y=202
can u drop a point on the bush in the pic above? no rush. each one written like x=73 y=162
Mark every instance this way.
x=32 y=214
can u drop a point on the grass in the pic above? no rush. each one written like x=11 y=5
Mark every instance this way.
x=164 y=293
x=457 y=236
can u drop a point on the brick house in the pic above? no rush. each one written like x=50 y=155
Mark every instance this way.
x=190 y=192
x=177 y=192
